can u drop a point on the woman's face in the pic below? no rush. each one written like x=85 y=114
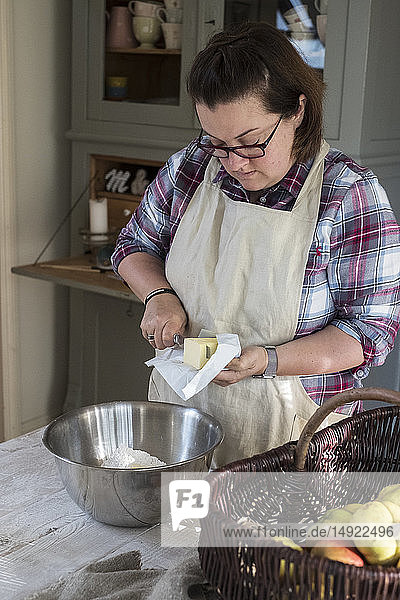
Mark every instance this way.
x=245 y=122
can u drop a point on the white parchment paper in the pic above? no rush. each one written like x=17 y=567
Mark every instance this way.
x=187 y=381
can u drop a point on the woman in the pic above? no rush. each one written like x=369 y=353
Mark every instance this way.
x=258 y=228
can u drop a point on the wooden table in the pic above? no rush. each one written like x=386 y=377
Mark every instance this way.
x=43 y=533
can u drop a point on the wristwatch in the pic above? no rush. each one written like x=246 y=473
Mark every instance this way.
x=272 y=366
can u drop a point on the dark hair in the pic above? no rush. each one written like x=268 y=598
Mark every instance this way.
x=257 y=59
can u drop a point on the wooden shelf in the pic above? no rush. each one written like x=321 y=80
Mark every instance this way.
x=80 y=273
x=116 y=196
x=162 y=51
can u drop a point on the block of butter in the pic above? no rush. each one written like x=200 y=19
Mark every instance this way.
x=197 y=351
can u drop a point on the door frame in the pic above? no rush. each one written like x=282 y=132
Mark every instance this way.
x=10 y=406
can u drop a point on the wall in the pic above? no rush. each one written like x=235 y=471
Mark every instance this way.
x=362 y=119
x=42 y=49
x=388 y=375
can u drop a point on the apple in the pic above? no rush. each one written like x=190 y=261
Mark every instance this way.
x=391 y=493
x=372 y=512
x=336 y=515
x=287 y=542
x=379 y=552
x=352 y=507
x=335 y=551
x=394 y=510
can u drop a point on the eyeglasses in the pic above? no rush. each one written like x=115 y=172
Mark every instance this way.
x=249 y=151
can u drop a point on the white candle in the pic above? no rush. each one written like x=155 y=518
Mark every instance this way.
x=98 y=215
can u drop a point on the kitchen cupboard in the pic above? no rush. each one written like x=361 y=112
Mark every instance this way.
x=360 y=68
x=151 y=108
x=362 y=73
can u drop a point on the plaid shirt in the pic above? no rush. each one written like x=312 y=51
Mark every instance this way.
x=352 y=276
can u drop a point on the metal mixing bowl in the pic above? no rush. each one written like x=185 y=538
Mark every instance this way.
x=184 y=438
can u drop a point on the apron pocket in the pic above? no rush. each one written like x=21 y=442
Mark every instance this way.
x=299 y=423
x=297 y=427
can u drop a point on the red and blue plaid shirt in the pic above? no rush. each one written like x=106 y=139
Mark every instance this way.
x=352 y=277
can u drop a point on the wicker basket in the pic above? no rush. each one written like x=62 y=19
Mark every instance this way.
x=368 y=441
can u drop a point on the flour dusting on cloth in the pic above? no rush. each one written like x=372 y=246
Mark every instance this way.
x=124 y=457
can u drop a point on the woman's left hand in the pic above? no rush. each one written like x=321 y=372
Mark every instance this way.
x=252 y=361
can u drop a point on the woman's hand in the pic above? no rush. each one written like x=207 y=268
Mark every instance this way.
x=252 y=361
x=163 y=317
x=329 y=350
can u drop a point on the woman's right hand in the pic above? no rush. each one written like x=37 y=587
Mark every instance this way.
x=163 y=317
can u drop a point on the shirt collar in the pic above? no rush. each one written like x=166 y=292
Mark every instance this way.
x=292 y=182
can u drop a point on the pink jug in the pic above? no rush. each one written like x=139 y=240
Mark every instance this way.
x=120 y=34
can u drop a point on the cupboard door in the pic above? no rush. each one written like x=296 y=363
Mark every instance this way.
x=141 y=85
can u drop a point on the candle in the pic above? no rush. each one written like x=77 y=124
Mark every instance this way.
x=98 y=215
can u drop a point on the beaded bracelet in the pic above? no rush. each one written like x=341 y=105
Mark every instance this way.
x=159 y=291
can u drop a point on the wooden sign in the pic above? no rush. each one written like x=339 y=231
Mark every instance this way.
x=132 y=179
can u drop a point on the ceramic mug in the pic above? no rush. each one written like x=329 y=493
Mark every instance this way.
x=116 y=88
x=299 y=27
x=144 y=9
x=147 y=30
x=172 y=35
x=170 y=15
x=169 y=4
x=296 y=15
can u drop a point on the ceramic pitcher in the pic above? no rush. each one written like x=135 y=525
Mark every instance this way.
x=120 y=34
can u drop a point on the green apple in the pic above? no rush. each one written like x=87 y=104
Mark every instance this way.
x=336 y=515
x=379 y=552
x=394 y=510
x=287 y=542
x=372 y=512
x=390 y=493
x=352 y=507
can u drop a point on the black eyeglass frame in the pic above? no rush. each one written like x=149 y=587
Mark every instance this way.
x=236 y=149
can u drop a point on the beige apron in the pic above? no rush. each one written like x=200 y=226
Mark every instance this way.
x=239 y=268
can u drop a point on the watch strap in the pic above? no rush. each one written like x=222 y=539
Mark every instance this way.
x=272 y=365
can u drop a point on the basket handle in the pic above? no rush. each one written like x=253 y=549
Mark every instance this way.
x=381 y=394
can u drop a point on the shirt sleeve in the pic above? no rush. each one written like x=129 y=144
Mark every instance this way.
x=364 y=271
x=149 y=228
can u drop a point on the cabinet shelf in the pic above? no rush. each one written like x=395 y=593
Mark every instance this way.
x=161 y=51
x=116 y=196
x=78 y=272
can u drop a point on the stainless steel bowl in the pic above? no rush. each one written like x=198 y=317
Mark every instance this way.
x=184 y=438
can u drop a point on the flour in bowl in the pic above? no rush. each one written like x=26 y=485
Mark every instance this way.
x=124 y=457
